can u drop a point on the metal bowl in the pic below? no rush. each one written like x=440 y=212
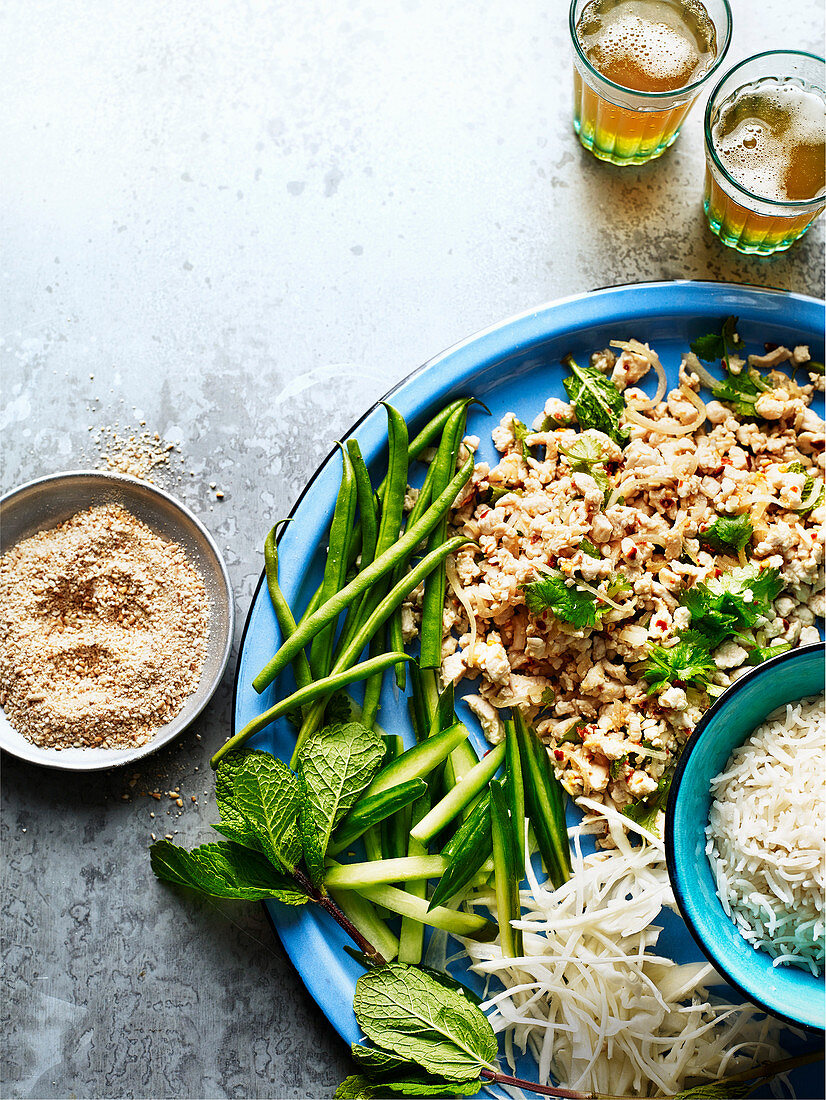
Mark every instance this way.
x=51 y=500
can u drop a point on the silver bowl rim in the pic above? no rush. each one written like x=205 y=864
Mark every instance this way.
x=174 y=728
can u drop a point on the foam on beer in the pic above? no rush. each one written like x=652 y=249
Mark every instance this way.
x=770 y=139
x=645 y=44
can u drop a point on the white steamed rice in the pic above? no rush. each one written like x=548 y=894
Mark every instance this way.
x=766 y=836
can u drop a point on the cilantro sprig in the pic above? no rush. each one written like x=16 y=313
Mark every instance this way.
x=720 y=609
x=740 y=391
x=688 y=662
x=728 y=534
x=554 y=592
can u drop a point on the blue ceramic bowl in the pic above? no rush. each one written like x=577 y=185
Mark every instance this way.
x=786 y=991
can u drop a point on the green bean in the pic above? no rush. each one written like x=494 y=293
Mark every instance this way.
x=433 y=427
x=355 y=876
x=505 y=877
x=308 y=694
x=417 y=445
x=374 y=623
x=335 y=568
x=332 y=608
x=392 y=510
x=416 y=513
x=366 y=503
x=416 y=705
x=455 y=800
x=516 y=792
x=466 y=853
x=283 y=614
x=545 y=803
x=433 y=601
x=371 y=811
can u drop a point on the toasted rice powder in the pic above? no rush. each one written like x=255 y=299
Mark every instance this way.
x=766 y=836
x=103 y=632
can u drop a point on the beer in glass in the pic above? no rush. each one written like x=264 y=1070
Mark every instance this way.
x=765 y=133
x=638 y=67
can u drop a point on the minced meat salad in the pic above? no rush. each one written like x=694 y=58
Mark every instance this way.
x=634 y=556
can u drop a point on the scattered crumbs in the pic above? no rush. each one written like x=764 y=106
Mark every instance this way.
x=219 y=495
x=167 y=836
x=153 y=836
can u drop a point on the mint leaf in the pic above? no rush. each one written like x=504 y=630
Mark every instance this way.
x=423 y=1086
x=377 y=1061
x=311 y=843
x=596 y=400
x=266 y=795
x=551 y=593
x=727 y=534
x=337 y=764
x=359 y=1087
x=223 y=871
x=405 y=1011
x=688 y=662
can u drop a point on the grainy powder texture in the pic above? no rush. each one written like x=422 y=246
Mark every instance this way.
x=103 y=631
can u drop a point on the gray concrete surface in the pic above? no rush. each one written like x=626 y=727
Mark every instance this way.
x=240 y=222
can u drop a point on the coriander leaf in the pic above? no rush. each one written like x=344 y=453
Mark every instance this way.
x=520 y=433
x=588 y=548
x=596 y=400
x=404 y=1010
x=497 y=492
x=337 y=764
x=572 y=736
x=616 y=768
x=551 y=593
x=223 y=871
x=548 y=697
x=714 y=345
x=310 y=840
x=727 y=534
x=760 y=653
x=646 y=811
x=266 y=793
x=808 y=486
x=688 y=662
x=709 y=348
x=731 y=602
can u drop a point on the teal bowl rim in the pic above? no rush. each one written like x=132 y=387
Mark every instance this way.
x=676 y=884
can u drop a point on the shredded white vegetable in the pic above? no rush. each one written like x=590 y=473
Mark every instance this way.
x=653 y=360
x=452 y=577
x=593 y=1001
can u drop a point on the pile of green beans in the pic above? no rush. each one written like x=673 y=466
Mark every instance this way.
x=439 y=826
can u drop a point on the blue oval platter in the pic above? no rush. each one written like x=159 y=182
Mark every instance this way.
x=512 y=366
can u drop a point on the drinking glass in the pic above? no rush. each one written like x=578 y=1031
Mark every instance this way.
x=741 y=219
x=626 y=126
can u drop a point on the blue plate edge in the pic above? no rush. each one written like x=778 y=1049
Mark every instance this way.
x=340 y=1016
